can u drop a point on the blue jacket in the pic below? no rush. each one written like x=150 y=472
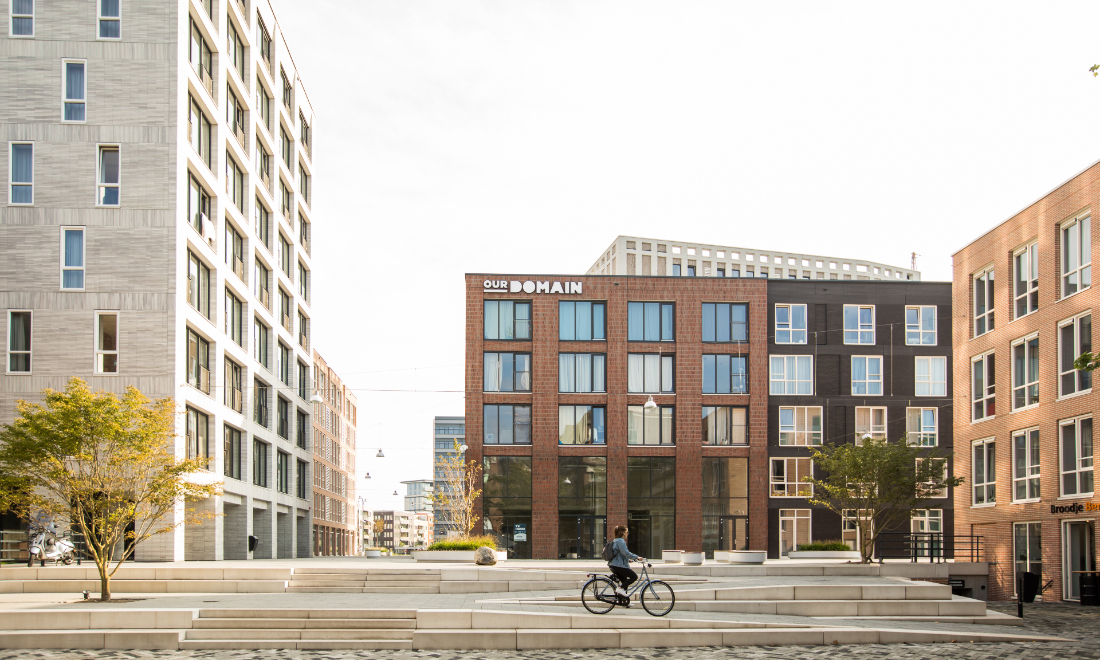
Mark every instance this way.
x=622 y=554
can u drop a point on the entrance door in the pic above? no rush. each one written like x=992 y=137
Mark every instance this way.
x=733 y=532
x=591 y=536
x=794 y=529
x=1077 y=554
x=641 y=534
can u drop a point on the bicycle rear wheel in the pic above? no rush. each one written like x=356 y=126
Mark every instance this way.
x=658 y=598
x=598 y=595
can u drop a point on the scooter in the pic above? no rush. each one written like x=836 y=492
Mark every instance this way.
x=45 y=544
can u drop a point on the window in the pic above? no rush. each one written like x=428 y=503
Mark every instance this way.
x=263 y=107
x=110 y=19
x=725 y=374
x=859 y=324
x=725 y=425
x=263 y=284
x=691 y=269
x=1025 y=373
x=505 y=319
x=1025 y=465
x=931 y=376
x=303 y=480
x=107 y=193
x=286 y=148
x=983 y=302
x=507 y=372
x=507 y=425
x=234 y=49
x=302 y=427
x=259 y=462
x=22 y=173
x=985 y=472
x=19 y=342
x=284 y=363
x=650 y=373
x=928 y=525
x=198 y=362
x=106 y=342
x=22 y=18
x=676 y=270
x=303 y=380
x=582 y=425
x=286 y=308
x=74 y=92
x=582 y=372
x=1076 y=450
x=984 y=386
x=198 y=284
x=725 y=322
x=867 y=375
x=937 y=473
x=234 y=382
x=1074 y=338
x=921 y=427
x=303 y=183
x=1026 y=285
x=72 y=261
x=786 y=477
x=800 y=425
x=198 y=443
x=794 y=529
x=790 y=324
x=263 y=223
x=260 y=404
x=651 y=426
x=201 y=56
x=287 y=199
x=260 y=334
x=304 y=133
x=303 y=281
x=920 y=326
x=282 y=425
x=870 y=421
x=232 y=459
x=288 y=91
x=198 y=205
x=1076 y=256
x=234 y=182
x=234 y=250
x=303 y=333
x=581 y=320
x=285 y=254
x=650 y=321
x=1027 y=548
x=791 y=374
x=263 y=37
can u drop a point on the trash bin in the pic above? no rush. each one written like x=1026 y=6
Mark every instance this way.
x=1090 y=588
x=1031 y=586
x=252 y=541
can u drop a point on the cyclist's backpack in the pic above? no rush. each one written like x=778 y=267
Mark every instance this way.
x=608 y=552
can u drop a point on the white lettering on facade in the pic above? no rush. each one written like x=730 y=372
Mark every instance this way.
x=531 y=286
x=542 y=287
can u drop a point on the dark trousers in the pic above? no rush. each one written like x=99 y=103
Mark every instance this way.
x=625 y=575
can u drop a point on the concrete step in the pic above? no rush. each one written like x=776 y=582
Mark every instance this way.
x=277 y=633
x=363 y=590
x=303 y=623
x=368 y=571
x=329 y=577
x=821 y=608
x=286 y=613
x=300 y=645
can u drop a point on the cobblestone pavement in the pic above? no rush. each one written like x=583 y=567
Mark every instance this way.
x=1064 y=620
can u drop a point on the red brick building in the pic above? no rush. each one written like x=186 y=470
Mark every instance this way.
x=1023 y=301
x=559 y=370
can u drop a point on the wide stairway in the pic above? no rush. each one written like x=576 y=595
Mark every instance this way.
x=351 y=580
x=301 y=629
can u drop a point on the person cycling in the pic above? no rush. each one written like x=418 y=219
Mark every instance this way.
x=620 y=563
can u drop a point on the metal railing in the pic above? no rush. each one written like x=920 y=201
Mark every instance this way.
x=14 y=544
x=238 y=267
x=935 y=547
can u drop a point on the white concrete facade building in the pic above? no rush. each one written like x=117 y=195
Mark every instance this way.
x=157 y=220
x=635 y=255
x=446 y=431
x=418 y=495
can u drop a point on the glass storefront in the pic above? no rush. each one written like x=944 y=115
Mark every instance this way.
x=651 y=504
x=1077 y=554
x=582 y=506
x=725 y=499
x=507 y=503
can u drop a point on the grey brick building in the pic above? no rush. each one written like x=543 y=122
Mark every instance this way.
x=156 y=225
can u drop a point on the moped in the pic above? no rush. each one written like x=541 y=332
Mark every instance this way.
x=45 y=544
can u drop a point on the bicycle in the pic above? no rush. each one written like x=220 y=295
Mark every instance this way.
x=599 y=597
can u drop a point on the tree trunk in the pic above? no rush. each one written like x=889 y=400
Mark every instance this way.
x=104 y=583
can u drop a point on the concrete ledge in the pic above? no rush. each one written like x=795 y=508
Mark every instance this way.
x=634 y=639
x=445 y=619
x=592 y=638
x=772 y=637
x=488 y=619
x=465 y=640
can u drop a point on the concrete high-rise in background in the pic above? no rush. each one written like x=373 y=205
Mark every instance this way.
x=399 y=531
x=634 y=255
x=158 y=220
x=446 y=432
x=335 y=521
x=418 y=495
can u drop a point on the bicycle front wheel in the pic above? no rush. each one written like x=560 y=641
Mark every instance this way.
x=658 y=598
x=598 y=595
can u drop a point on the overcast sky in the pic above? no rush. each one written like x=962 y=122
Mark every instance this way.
x=522 y=137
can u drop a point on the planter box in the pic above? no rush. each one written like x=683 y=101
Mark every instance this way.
x=741 y=556
x=461 y=556
x=671 y=556
x=692 y=558
x=845 y=555
x=373 y=553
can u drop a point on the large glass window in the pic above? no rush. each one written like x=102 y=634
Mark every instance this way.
x=198 y=205
x=650 y=373
x=983 y=387
x=302 y=484
x=22 y=173
x=791 y=374
x=302 y=427
x=282 y=472
x=1028 y=548
x=198 y=132
x=800 y=425
x=259 y=462
x=19 y=342
x=1074 y=338
x=507 y=424
x=870 y=421
x=1025 y=373
x=1025 y=465
x=931 y=376
x=234 y=382
x=260 y=335
x=725 y=425
x=1026 y=284
x=234 y=318
x=983 y=302
x=198 y=284
x=282 y=425
x=790 y=324
x=260 y=393
x=650 y=426
x=582 y=425
x=725 y=374
x=921 y=427
x=72 y=262
x=725 y=322
x=232 y=454
x=1076 y=256
x=507 y=372
x=506 y=319
x=106 y=343
x=234 y=182
x=198 y=361
x=985 y=472
x=582 y=372
x=198 y=442
x=1076 y=450
x=582 y=320
x=75 y=91
x=786 y=477
x=859 y=324
x=867 y=375
x=506 y=503
x=920 y=325
x=263 y=284
x=651 y=321
x=651 y=504
x=725 y=500
x=263 y=223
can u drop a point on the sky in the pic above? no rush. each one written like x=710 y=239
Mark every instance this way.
x=523 y=136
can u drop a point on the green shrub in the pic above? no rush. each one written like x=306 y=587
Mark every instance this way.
x=472 y=543
x=825 y=546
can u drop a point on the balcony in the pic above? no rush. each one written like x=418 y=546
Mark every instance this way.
x=303 y=341
x=286 y=215
x=238 y=132
x=236 y=400
x=204 y=380
x=287 y=323
x=265 y=177
x=238 y=267
x=308 y=149
x=265 y=298
x=305 y=244
x=207 y=82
